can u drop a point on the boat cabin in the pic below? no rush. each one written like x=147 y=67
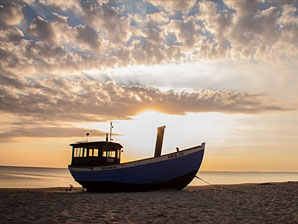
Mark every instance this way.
x=100 y=153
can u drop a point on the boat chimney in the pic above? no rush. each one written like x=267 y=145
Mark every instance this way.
x=159 y=140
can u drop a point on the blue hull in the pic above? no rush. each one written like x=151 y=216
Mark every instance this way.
x=175 y=170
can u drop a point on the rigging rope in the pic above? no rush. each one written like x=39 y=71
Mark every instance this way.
x=220 y=187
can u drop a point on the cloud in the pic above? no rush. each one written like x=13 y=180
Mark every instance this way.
x=263 y=34
x=11 y=80
x=186 y=32
x=174 y=6
x=72 y=6
x=11 y=13
x=71 y=37
x=60 y=33
x=48 y=132
x=35 y=58
x=107 y=19
x=218 y=25
x=57 y=99
x=87 y=36
x=42 y=29
x=12 y=35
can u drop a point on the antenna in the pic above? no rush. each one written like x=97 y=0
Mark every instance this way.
x=111 y=127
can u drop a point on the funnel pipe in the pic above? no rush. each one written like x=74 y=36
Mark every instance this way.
x=159 y=140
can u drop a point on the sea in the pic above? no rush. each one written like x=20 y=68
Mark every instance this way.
x=38 y=177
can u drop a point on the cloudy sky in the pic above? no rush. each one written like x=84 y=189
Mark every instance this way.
x=222 y=71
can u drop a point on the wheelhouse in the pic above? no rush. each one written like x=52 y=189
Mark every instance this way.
x=100 y=153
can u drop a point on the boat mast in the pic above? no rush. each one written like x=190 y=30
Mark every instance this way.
x=111 y=127
x=87 y=134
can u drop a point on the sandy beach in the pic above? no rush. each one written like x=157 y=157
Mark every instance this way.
x=256 y=203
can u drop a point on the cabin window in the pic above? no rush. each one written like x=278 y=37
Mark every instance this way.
x=94 y=153
x=85 y=152
x=109 y=154
x=81 y=152
x=78 y=152
x=112 y=154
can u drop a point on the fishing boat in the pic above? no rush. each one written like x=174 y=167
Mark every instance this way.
x=96 y=166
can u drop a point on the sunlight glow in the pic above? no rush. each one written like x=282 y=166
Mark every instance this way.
x=138 y=135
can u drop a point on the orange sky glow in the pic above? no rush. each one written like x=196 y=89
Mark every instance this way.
x=220 y=72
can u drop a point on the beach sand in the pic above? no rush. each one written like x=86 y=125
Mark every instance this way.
x=257 y=203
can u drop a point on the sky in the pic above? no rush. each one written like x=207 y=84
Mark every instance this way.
x=222 y=72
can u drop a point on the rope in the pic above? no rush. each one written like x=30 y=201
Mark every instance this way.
x=220 y=187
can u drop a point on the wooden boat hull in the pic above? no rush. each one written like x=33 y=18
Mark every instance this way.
x=178 y=183
x=171 y=171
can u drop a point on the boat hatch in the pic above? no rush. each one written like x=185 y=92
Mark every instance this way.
x=95 y=153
